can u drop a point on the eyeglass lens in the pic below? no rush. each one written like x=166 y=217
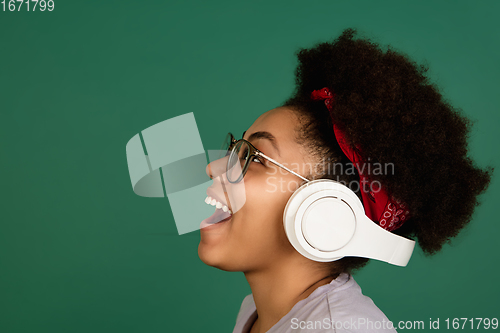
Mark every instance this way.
x=224 y=150
x=238 y=162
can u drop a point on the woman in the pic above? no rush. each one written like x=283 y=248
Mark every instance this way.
x=353 y=103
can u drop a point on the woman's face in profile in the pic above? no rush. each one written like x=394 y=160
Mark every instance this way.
x=254 y=237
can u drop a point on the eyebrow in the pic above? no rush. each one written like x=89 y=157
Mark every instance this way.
x=264 y=135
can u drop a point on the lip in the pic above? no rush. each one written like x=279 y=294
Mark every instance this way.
x=205 y=226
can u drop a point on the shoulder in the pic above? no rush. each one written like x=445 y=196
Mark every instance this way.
x=247 y=306
x=348 y=305
x=337 y=307
x=245 y=315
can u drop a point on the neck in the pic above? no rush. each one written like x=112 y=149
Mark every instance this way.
x=277 y=289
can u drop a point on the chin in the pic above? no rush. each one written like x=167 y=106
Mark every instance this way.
x=209 y=256
x=213 y=258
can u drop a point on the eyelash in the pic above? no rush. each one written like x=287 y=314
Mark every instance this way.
x=258 y=160
x=255 y=158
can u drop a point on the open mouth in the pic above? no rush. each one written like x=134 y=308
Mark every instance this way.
x=222 y=212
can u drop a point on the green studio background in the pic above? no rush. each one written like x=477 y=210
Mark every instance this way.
x=80 y=252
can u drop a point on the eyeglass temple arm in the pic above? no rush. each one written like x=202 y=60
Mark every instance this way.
x=281 y=166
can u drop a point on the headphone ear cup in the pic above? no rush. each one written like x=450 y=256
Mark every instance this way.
x=325 y=221
x=319 y=220
x=328 y=224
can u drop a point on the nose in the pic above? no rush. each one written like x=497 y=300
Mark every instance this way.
x=216 y=168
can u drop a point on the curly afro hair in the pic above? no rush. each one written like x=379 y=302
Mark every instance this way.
x=387 y=107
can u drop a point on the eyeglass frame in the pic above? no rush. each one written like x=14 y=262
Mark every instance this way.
x=253 y=152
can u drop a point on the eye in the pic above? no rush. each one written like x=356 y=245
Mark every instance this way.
x=243 y=154
x=256 y=159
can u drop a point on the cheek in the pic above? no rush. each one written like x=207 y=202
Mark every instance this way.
x=256 y=236
x=265 y=198
x=262 y=214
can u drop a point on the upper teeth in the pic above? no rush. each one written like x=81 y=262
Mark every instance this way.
x=217 y=204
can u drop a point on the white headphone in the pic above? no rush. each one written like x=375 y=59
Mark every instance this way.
x=325 y=221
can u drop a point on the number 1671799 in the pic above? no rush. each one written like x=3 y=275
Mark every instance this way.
x=27 y=5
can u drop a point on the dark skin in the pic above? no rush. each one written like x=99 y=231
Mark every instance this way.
x=257 y=327
x=388 y=107
x=254 y=240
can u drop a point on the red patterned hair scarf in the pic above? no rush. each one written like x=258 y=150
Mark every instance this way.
x=380 y=207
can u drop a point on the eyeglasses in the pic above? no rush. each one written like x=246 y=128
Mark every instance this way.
x=241 y=153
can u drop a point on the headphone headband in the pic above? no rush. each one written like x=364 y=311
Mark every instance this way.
x=325 y=221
